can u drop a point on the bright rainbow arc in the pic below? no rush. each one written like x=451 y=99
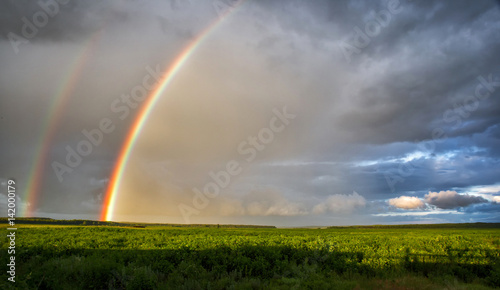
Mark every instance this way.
x=130 y=140
x=49 y=127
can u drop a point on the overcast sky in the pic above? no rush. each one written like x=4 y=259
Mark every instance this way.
x=288 y=113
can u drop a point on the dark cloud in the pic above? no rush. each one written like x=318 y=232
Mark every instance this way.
x=56 y=20
x=452 y=199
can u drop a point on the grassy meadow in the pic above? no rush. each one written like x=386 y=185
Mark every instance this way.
x=173 y=257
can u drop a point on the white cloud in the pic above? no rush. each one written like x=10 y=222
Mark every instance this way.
x=485 y=190
x=340 y=203
x=407 y=202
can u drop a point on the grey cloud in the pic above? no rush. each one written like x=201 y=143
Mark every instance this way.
x=270 y=202
x=63 y=21
x=340 y=204
x=451 y=199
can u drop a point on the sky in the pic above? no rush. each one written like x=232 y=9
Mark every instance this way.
x=285 y=113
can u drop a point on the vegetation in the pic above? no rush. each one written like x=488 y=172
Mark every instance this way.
x=112 y=257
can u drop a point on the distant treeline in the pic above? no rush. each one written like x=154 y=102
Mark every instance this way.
x=50 y=221
x=425 y=226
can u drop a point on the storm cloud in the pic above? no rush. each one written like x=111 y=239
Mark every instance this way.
x=396 y=102
x=451 y=199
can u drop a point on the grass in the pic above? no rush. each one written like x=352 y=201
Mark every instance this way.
x=163 y=257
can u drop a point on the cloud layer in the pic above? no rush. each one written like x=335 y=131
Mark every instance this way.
x=411 y=120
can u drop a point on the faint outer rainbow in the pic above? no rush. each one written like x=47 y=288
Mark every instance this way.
x=49 y=126
x=138 y=124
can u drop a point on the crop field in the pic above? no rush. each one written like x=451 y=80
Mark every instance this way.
x=159 y=257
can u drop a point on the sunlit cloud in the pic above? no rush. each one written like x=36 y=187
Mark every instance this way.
x=406 y=202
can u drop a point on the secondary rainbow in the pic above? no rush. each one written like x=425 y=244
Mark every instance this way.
x=112 y=191
x=49 y=126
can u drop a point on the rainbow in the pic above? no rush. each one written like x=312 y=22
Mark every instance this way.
x=49 y=126
x=112 y=191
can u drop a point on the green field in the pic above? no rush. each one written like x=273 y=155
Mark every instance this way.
x=118 y=257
